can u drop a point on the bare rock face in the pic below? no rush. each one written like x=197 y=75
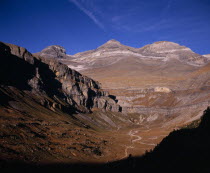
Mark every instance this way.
x=18 y=51
x=83 y=90
x=67 y=89
x=54 y=51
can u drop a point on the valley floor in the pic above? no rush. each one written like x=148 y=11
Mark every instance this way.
x=40 y=140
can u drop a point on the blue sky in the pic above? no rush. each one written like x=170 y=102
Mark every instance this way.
x=80 y=25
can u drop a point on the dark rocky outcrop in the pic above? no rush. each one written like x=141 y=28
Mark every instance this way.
x=184 y=150
x=66 y=88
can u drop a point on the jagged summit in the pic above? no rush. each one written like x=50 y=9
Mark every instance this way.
x=54 y=51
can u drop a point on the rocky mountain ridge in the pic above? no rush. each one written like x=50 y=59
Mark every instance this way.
x=55 y=80
x=159 y=79
x=158 y=51
x=162 y=50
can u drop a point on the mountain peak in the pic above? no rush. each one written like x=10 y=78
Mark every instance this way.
x=54 y=51
x=112 y=44
x=112 y=41
x=164 y=46
x=165 y=43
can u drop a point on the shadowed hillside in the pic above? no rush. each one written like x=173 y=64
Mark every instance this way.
x=185 y=150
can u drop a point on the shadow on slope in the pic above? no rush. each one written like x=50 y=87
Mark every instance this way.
x=18 y=72
x=14 y=71
x=185 y=150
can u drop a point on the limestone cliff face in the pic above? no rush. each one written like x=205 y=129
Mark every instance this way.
x=58 y=86
x=84 y=91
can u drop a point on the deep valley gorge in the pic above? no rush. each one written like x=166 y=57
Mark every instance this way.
x=112 y=107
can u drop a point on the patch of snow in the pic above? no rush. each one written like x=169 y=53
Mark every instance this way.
x=78 y=67
x=162 y=89
x=152 y=117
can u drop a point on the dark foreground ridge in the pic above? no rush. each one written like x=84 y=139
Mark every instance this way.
x=185 y=150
